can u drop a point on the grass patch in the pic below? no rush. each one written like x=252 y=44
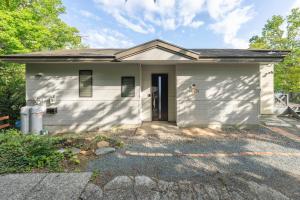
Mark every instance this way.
x=25 y=153
x=96 y=177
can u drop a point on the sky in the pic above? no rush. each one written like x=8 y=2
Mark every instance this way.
x=187 y=23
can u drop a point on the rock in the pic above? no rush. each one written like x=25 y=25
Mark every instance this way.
x=75 y=150
x=144 y=181
x=69 y=141
x=61 y=150
x=85 y=153
x=102 y=144
x=119 y=188
x=92 y=192
x=105 y=150
x=88 y=139
x=120 y=182
x=145 y=188
x=168 y=190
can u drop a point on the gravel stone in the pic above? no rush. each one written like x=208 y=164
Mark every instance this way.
x=279 y=172
x=265 y=193
x=168 y=190
x=211 y=191
x=186 y=190
x=236 y=196
x=200 y=192
x=104 y=150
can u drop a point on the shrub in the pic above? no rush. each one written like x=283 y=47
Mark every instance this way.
x=23 y=153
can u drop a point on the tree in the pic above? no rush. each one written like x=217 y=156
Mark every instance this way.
x=283 y=34
x=26 y=26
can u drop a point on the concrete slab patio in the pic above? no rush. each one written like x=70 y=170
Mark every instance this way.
x=53 y=186
x=75 y=186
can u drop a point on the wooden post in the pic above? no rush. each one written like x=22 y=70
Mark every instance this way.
x=4 y=125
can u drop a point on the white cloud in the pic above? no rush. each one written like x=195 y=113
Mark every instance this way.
x=196 y=24
x=143 y=16
x=229 y=20
x=219 y=8
x=296 y=4
x=104 y=38
x=88 y=14
x=188 y=10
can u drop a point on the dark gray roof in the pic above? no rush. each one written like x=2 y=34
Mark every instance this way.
x=73 y=53
x=239 y=53
x=113 y=54
x=107 y=53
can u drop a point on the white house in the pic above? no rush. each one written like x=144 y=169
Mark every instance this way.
x=100 y=88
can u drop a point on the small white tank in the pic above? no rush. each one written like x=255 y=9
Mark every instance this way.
x=36 y=125
x=25 y=113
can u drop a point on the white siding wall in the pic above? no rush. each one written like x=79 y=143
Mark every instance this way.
x=105 y=109
x=228 y=94
x=267 y=89
x=147 y=71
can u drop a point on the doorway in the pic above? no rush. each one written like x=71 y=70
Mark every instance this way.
x=159 y=97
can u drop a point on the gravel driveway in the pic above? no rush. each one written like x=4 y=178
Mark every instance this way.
x=163 y=151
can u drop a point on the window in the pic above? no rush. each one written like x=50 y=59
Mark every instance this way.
x=128 y=86
x=85 y=83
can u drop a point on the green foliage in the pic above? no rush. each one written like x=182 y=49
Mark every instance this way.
x=23 y=153
x=95 y=175
x=12 y=89
x=26 y=26
x=283 y=34
x=75 y=160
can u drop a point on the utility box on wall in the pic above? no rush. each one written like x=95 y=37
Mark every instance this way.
x=51 y=110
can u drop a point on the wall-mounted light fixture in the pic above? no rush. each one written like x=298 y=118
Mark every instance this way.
x=38 y=75
x=194 y=89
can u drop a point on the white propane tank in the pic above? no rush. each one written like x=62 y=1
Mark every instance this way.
x=36 y=119
x=25 y=112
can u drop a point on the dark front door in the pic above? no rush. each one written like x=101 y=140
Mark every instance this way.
x=160 y=97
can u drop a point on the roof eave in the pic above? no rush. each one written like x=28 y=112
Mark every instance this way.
x=56 y=59
x=82 y=60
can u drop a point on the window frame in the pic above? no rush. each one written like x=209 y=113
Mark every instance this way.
x=79 y=93
x=124 y=77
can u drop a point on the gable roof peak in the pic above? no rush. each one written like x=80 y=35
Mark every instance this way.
x=157 y=43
